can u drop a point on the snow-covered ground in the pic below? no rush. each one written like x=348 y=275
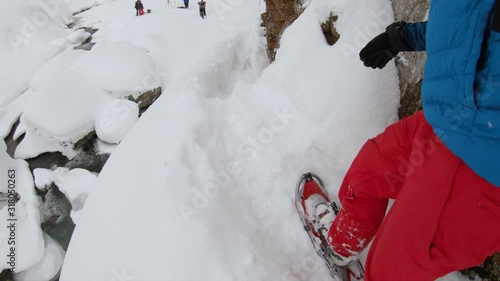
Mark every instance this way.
x=201 y=186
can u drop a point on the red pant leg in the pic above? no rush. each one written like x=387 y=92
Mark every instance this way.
x=376 y=174
x=445 y=217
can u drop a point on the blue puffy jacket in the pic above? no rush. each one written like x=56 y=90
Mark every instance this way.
x=461 y=85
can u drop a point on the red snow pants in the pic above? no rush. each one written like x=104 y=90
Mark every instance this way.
x=445 y=217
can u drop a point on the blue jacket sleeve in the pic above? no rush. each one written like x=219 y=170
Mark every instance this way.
x=415 y=35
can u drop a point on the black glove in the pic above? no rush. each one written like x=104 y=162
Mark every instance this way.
x=378 y=52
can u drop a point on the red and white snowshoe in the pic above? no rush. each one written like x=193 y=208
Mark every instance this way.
x=310 y=190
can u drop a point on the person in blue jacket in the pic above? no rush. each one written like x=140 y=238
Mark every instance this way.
x=441 y=165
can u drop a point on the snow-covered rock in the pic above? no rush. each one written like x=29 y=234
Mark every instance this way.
x=120 y=68
x=72 y=95
x=75 y=184
x=115 y=118
x=78 y=36
x=62 y=108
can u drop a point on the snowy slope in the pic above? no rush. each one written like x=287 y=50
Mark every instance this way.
x=202 y=187
x=31 y=32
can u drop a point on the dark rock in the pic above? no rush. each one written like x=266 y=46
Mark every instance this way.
x=87 y=142
x=85 y=46
x=146 y=99
x=488 y=271
x=6 y=275
x=410 y=64
x=10 y=142
x=328 y=28
x=411 y=100
x=48 y=160
x=54 y=216
x=88 y=161
x=4 y=199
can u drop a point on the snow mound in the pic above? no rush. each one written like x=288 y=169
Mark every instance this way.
x=27 y=30
x=68 y=89
x=78 y=36
x=63 y=105
x=49 y=265
x=115 y=118
x=120 y=68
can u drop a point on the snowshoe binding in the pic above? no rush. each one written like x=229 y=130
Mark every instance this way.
x=310 y=191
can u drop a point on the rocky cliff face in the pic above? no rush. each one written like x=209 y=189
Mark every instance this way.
x=278 y=16
x=410 y=64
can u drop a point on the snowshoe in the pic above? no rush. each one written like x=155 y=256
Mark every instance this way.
x=309 y=186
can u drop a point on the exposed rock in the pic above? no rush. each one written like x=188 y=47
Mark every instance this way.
x=278 y=16
x=87 y=45
x=4 y=200
x=10 y=142
x=146 y=99
x=48 y=160
x=328 y=27
x=86 y=141
x=89 y=161
x=410 y=64
x=411 y=100
x=6 y=275
x=54 y=216
x=488 y=271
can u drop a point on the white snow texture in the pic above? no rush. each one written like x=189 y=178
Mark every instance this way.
x=201 y=186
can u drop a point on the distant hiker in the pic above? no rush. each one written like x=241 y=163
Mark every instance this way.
x=203 y=11
x=139 y=8
x=186 y=4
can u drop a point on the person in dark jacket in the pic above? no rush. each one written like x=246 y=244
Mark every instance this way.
x=139 y=8
x=203 y=11
x=441 y=164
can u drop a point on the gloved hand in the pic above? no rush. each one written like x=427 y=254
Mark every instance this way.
x=381 y=49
